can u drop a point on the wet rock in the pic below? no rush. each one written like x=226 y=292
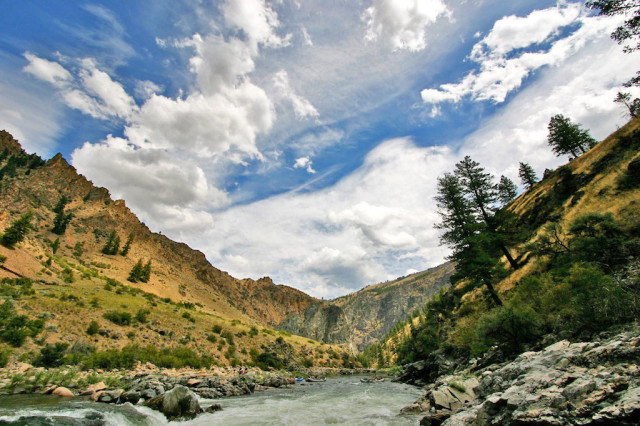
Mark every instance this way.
x=213 y=408
x=131 y=397
x=178 y=403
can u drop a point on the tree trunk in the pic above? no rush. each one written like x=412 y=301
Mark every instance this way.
x=492 y=292
x=510 y=258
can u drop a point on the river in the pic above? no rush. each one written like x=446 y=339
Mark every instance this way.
x=342 y=400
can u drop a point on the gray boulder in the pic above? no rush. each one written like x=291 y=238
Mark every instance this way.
x=177 y=404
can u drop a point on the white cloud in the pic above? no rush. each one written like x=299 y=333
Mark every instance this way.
x=304 y=163
x=301 y=106
x=92 y=91
x=109 y=95
x=257 y=20
x=307 y=38
x=144 y=89
x=171 y=193
x=503 y=60
x=403 y=23
x=51 y=72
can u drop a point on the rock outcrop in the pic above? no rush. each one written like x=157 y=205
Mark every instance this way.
x=566 y=383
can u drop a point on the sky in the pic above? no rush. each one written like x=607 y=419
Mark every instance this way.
x=303 y=139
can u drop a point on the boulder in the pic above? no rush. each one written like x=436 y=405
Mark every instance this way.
x=213 y=408
x=177 y=404
x=62 y=391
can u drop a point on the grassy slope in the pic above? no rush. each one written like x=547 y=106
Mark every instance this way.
x=598 y=173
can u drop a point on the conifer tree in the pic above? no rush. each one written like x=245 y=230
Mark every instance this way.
x=566 y=137
x=483 y=195
x=112 y=246
x=146 y=272
x=127 y=245
x=507 y=190
x=18 y=230
x=527 y=175
x=136 y=272
x=62 y=219
x=465 y=233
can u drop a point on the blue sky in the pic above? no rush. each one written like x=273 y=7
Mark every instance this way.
x=302 y=139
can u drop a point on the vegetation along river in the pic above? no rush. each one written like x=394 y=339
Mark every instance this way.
x=342 y=400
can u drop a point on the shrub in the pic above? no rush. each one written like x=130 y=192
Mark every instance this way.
x=141 y=315
x=217 y=329
x=269 y=360
x=511 y=326
x=118 y=317
x=93 y=328
x=51 y=355
x=4 y=358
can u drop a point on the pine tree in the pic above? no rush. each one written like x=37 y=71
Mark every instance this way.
x=112 y=246
x=127 y=245
x=507 y=190
x=462 y=231
x=566 y=137
x=632 y=105
x=62 y=219
x=18 y=230
x=146 y=272
x=527 y=175
x=483 y=195
x=136 y=272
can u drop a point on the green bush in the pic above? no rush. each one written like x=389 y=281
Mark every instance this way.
x=4 y=358
x=510 y=326
x=93 y=328
x=217 y=329
x=141 y=315
x=51 y=355
x=268 y=361
x=118 y=317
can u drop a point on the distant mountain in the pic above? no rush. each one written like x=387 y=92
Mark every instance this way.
x=364 y=317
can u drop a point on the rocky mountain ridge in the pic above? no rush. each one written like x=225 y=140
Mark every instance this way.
x=364 y=317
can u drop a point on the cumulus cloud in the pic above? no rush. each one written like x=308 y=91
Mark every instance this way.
x=517 y=46
x=304 y=163
x=402 y=23
x=171 y=194
x=257 y=20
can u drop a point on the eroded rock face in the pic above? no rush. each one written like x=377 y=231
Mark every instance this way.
x=566 y=383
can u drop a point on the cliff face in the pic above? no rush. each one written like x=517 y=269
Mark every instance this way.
x=364 y=317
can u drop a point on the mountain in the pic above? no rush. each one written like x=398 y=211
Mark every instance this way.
x=362 y=318
x=75 y=282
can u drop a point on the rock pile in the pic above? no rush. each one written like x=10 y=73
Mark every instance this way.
x=566 y=383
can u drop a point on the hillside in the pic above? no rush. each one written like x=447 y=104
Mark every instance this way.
x=71 y=282
x=577 y=275
x=362 y=318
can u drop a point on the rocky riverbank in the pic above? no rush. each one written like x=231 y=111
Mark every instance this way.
x=594 y=383
x=173 y=392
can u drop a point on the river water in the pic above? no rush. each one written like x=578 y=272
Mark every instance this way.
x=343 y=400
